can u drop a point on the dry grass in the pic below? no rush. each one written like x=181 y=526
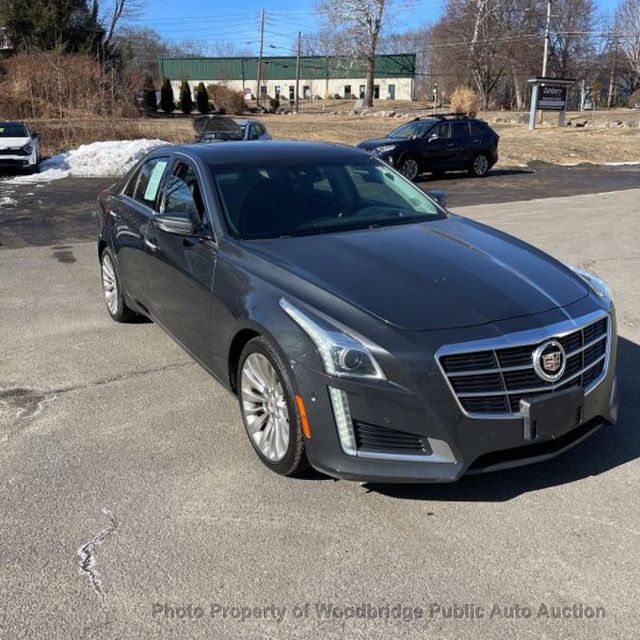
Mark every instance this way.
x=61 y=135
x=518 y=145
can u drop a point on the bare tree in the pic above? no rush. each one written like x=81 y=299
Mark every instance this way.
x=141 y=49
x=478 y=35
x=113 y=15
x=360 y=22
x=628 y=26
x=417 y=41
x=572 y=43
x=324 y=42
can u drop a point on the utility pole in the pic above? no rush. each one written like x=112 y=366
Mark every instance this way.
x=298 y=70
x=614 y=72
x=547 y=38
x=545 y=59
x=260 y=56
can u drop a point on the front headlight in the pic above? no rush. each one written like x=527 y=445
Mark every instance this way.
x=28 y=148
x=340 y=352
x=385 y=148
x=597 y=284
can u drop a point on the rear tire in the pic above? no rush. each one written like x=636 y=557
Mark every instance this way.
x=409 y=167
x=480 y=165
x=268 y=408
x=112 y=289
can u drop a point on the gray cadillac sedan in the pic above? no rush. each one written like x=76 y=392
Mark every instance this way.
x=365 y=330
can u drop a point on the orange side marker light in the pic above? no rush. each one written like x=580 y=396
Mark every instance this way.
x=306 y=429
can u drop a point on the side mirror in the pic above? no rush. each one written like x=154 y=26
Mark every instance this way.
x=439 y=196
x=35 y=135
x=181 y=224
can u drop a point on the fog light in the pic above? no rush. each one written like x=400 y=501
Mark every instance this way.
x=344 y=423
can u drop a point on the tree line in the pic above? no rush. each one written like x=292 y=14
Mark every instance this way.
x=493 y=46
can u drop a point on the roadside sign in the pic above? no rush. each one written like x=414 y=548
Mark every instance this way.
x=552 y=98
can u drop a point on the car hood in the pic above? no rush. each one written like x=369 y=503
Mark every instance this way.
x=378 y=142
x=216 y=124
x=445 y=274
x=12 y=143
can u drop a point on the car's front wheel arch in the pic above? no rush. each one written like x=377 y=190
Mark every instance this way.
x=238 y=343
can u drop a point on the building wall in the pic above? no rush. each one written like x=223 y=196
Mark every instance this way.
x=315 y=88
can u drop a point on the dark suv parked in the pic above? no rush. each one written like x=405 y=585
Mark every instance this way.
x=437 y=145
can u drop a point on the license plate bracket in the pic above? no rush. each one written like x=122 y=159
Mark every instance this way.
x=549 y=416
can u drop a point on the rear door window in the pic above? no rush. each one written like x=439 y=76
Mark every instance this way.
x=149 y=179
x=478 y=128
x=460 y=129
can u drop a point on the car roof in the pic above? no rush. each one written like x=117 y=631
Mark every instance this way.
x=272 y=150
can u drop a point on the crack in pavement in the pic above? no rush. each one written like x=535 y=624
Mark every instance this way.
x=21 y=404
x=88 y=560
x=12 y=393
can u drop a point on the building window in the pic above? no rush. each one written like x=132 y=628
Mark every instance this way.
x=292 y=93
x=392 y=92
x=376 y=91
x=361 y=92
x=306 y=92
x=263 y=91
x=277 y=90
x=347 y=90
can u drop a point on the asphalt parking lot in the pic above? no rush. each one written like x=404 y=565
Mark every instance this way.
x=131 y=500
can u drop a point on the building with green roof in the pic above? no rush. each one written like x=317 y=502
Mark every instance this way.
x=320 y=76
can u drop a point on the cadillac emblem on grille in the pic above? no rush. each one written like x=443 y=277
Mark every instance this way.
x=550 y=361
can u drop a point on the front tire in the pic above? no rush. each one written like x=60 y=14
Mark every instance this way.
x=480 y=165
x=112 y=289
x=269 y=413
x=409 y=167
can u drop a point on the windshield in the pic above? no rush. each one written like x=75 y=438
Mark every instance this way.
x=13 y=130
x=415 y=129
x=281 y=199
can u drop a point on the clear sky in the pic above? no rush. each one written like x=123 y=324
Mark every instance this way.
x=237 y=21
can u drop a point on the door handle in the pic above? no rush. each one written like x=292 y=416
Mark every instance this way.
x=151 y=245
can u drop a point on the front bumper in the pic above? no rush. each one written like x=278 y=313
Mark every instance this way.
x=18 y=161
x=455 y=443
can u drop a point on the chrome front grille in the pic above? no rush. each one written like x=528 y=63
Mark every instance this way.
x=491 y=381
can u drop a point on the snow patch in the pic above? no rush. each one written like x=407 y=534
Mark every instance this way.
x=95 y=160
x=7 y=201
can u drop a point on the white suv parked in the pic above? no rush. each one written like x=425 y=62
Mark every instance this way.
x=19 y=146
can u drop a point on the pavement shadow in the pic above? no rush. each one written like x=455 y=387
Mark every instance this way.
x=607 y=449
x=459 y=175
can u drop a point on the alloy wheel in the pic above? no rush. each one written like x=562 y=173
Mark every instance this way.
x=480 y=165
x=409 y=168
x=110 y=285
x=265 y=407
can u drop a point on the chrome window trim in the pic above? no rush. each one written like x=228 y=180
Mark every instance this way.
x=529 y=337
